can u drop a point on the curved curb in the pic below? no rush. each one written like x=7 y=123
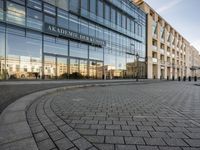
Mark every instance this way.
x=15 y=133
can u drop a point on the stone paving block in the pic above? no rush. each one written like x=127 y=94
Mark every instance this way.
x=82 y=126
x=97 y=126
x=51 y=128
x=64 y=144
x=177 y=135
x=86 y=131
x=193 y=142
x=114 y=140
x=140 y=133
x=72 y=135
x=119 y=122
x=134 y=123
x=179 y=129
x=158 y=134
x=194 y=129
x=193 y=135
x=175 y=142
x=91 y=122
x=105 y=146
x=57 y=135
x=190 y=148
x=41 y=136
x=125 y=147
x=134 y=140
x=145 y=128
x=65 y=128
x=82 y=144
x=169 y=148
x=105 y=132
x=37 y=129
x=46 y=144
x=113 y=127
x=147 y=147
x=105 y=122
x=95 y=139
x=122 y=133
x=154 y=141
x=162 y=129
x=128 y=127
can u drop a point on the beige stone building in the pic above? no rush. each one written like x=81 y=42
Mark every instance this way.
x=169 y=54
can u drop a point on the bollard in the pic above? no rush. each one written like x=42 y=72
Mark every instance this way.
x=189 y=78
x=184 y=78
x=173 y=78
x=179 y=78
x=195 y=78
x=167 y=77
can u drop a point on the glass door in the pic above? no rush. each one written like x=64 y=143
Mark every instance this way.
x=62 y=68
x=49 y=67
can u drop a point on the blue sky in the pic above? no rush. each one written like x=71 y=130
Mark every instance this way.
x=183 y=15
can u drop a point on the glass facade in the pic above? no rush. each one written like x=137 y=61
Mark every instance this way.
x=89 y=39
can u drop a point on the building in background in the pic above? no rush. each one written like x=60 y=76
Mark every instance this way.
x=169 y=54
x=71 y=39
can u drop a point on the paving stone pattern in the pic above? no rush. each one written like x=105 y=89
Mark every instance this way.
x=160 y=116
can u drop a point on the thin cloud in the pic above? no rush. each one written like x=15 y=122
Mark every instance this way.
x=168 y=6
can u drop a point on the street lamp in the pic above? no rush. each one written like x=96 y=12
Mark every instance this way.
x=137 y=57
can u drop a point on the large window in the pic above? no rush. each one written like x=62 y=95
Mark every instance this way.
x=73 y=23
x=1 y=9
x=15 y=13
x=36 y=4
x=74 y=6
x=113 y=15
x=119 y=19
x=84 y=4
x=78 y=50
x=123 y=21
x=49 y=9
x=62 y=18
x=93 y=6
x=95 y=53
x=84 y=27
x=100 y=9
x=55 y=45
x=23 y=60
x=107 y=12
x=34 y=19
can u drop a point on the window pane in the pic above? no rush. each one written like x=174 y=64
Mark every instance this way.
x=78 y=49
x=107 y=12
x=73 y=23
x=84 y=27
x=100 y=8
x=84 y=4
x=49 y=9
x=15 y=13
x=34 y=19
x=119 y=20
x=49 y=19
x=1 y=9
x=74 y=6
x=22 y=2
x=93 y=6
x=62 y=18
x=36 y=4
x=113 y=15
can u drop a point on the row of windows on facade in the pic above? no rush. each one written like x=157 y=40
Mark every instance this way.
x=33 y=46
x=111 y=37
x=63 y=16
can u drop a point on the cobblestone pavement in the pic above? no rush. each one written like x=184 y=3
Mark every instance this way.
x=161 y=116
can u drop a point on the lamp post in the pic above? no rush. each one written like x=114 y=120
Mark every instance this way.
x=137 y=57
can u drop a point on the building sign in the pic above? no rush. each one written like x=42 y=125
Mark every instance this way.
x=58 y=31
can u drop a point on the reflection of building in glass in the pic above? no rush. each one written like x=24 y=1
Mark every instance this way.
x=70 y=38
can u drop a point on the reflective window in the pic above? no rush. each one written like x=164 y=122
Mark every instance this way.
x=100 y=9
x=23 y=60
x=95 y=53
x=99 y=32
x=49 y=9
x=36 y=4
x=15 y=13
x=78 y=49
x=83 y=67
x=93 y=6
x=74 y=6
x=92 y=29
x=55 y=45
x=2 y=41
x=62 y=68
x=84 y=4
x=119 y=19
x=1 y=9
x=49 y=67
x=113 y=15
x=34 y=19
x=22 y=2
x=123 y=21
x=74 y=65
x=84 y=27
x=62 y=19
x=107 y=12
x=73 y=23
x=49 y=19
x=128 y=24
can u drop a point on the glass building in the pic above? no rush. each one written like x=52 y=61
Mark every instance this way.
x=60 y=39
